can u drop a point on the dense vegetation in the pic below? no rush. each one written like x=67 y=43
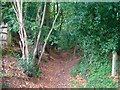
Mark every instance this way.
x=91 y=30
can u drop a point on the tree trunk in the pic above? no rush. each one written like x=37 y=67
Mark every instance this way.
x=38 y=16
x=0 y=13
x=22 y=33
x=54 y=9
x=48 y=37
x=57 y=6
x=61 y=20
x=47 y=15
x=114 y=58
x=48 y=24
x=38 y=37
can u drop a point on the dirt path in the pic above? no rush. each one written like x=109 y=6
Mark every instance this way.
x=56 y=73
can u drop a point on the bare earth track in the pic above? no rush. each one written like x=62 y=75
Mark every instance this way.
x=56 y=72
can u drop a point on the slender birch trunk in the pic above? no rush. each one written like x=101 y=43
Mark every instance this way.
x=48 y=37
x=22 y=33
x=38 y=37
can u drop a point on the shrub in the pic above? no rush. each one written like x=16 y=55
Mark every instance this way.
x=29 y=68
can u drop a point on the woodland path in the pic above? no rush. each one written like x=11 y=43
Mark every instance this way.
x=56 y=72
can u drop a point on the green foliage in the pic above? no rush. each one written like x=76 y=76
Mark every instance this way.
x=74 y=83
x=53 y=40
x=9 y=16
x=29 y=67
x=76 y=70
x=94 y=26
x=30 y=10
x=4 y=86
x=1 y=74
x=96 y=72
x=6 y=51
x=32 y=29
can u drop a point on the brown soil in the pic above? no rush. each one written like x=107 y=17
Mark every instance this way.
x=56 y=72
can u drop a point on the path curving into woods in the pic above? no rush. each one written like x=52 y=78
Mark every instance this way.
x=56 y=72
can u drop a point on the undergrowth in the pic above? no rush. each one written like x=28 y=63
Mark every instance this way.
x=4 y=86
x=29 y=68
x=96 y=73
